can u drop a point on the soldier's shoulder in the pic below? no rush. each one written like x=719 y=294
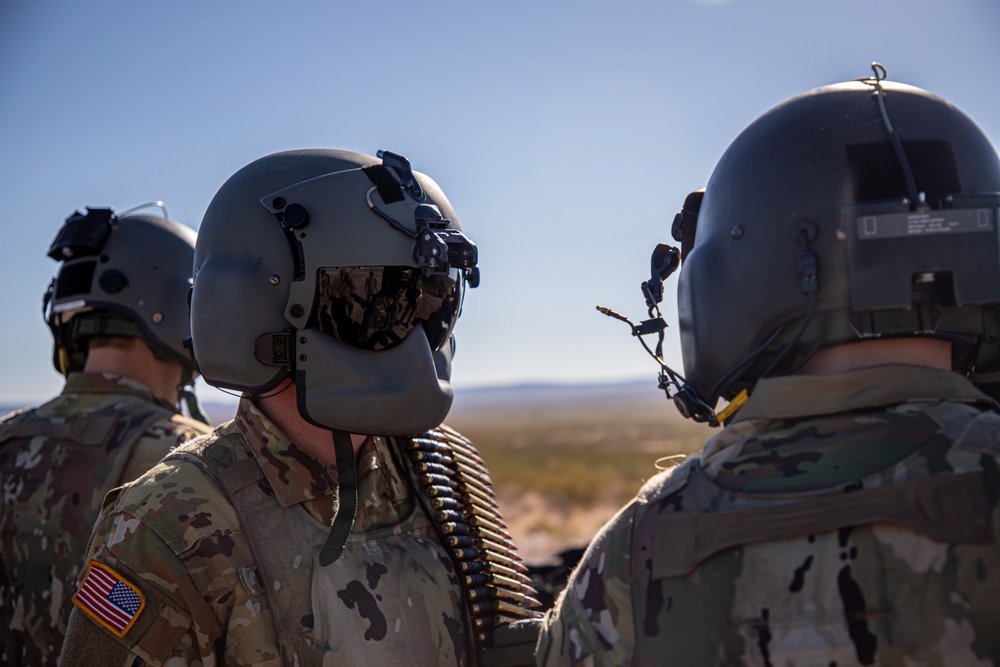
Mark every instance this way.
x=225 y=438
x=11 y=418
x=179 y=499
x=167 y=427
x=185 y=426
x=974 y=431
x=15 y=414
x=666 y=482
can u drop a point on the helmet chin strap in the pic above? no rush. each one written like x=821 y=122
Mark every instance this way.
x=346 y=503
x=187 y=397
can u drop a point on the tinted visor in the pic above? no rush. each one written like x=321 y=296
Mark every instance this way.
x=374 y=308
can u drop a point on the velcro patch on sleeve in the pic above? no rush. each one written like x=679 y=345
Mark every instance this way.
x=109 y=599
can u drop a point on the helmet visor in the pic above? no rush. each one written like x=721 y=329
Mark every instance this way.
x=375 y=308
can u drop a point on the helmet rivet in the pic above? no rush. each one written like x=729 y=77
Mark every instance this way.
x=738 y=232
x=274 y=279
x=278 y=202
x=302 y=339
x=302 y=357
x=296 y=310
x=841 y=236
x=157 y=318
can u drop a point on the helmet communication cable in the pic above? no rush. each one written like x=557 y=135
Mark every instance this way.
x=879 y=75
x=665 y=261
x=153 y=204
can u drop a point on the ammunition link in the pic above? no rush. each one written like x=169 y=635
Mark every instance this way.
x=459 y=490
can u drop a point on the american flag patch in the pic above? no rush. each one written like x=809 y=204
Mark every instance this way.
x=108 y=599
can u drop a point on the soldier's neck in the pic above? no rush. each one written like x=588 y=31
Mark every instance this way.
x=279 y=405
x=913 y=351
x=132 y=358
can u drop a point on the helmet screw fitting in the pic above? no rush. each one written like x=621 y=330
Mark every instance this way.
x=302 y=340
x=302 y=357
x=278 y=202
x=157 y=318
x=738 y=232
x=296 y=310
x=274 y=279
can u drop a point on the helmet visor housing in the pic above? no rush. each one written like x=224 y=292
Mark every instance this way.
x=374 y=308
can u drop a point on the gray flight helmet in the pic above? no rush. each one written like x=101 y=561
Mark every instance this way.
x=120 y=276
x=858 y=210
x=266 y=236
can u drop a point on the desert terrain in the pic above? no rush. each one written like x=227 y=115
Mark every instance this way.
x=564 y=459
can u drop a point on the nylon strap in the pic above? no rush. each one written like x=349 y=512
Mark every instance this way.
x=946 y=508
x=346 y=506
x=258 y=512
x=984 y=378
x=92 y=324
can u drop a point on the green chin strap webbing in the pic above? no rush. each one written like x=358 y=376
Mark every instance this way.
x=187 y=397
x=346 y=503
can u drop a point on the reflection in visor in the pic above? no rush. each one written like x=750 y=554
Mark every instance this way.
x=374 y=308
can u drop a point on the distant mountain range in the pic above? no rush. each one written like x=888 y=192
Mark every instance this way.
x=547 y=398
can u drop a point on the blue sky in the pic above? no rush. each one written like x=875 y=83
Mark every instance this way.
x=566 y=134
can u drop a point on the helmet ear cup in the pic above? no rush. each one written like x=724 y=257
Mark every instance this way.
x=686 y=222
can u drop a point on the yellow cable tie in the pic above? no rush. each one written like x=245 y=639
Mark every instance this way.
x=63 y=361
x=734 y=406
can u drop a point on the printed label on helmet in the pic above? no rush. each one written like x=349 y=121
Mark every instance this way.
x=925 y=223
x=69 y=305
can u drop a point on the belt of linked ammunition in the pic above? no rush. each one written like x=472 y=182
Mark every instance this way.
x=459 y=492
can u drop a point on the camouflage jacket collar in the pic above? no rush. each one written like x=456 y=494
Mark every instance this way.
x=108 y=383
x=296 y=476
x=795 y=396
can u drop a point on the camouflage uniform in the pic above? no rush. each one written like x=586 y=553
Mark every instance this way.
x=392 y=598
x=58 y=461
x=838 y=520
